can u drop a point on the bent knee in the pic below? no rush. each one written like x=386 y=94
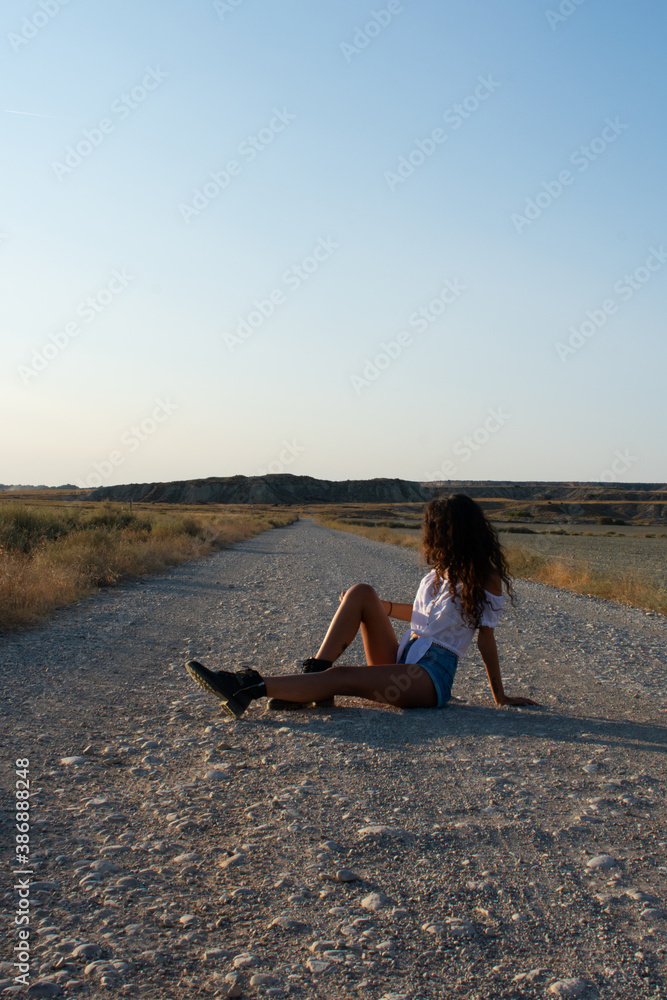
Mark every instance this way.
x=361 y=591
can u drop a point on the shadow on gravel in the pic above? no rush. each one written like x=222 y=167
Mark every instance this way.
x=420 y=727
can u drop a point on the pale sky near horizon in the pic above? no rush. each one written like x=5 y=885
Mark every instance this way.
x=417 y=239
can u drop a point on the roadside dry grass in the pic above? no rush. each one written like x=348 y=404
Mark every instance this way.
x=52 y=555
x=623 y=587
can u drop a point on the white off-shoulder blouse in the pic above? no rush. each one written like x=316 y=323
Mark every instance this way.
x=436 y=617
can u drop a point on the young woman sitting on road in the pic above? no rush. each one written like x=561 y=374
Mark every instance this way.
x=462 y=594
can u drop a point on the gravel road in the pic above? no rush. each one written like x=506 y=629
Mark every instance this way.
x=471 y=852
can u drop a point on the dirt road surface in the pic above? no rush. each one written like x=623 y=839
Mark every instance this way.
x=359 y=851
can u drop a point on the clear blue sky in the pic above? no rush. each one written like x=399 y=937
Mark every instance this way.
x=309 y=108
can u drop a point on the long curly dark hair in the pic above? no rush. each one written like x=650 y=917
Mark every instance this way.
x=462 y=546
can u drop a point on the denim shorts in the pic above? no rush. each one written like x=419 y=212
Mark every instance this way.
x=440 y=664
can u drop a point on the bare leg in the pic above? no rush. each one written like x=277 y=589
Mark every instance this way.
x=361 y=607
x=406 y=685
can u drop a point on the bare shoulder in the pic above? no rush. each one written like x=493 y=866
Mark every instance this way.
x=494 y=583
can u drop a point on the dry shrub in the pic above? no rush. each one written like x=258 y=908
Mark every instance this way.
x=378 y=534
x=577 y=575
x=29 y=590
x=47 y=561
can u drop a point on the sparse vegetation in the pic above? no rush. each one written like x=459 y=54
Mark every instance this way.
x=415 y=525
x=378 y=534
x=54 y=555
x=625 y=588
x=577 y=575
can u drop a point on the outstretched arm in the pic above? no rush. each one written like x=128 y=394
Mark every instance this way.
x=486 y=643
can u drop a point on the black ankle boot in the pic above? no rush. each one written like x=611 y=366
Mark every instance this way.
x=314 y=666
x=234 y=689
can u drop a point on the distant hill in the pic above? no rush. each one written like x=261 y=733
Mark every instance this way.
x=19 y=489
x=645 y=502
x=281 y=489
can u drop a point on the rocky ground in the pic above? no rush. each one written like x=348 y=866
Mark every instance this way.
x=471 y=852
